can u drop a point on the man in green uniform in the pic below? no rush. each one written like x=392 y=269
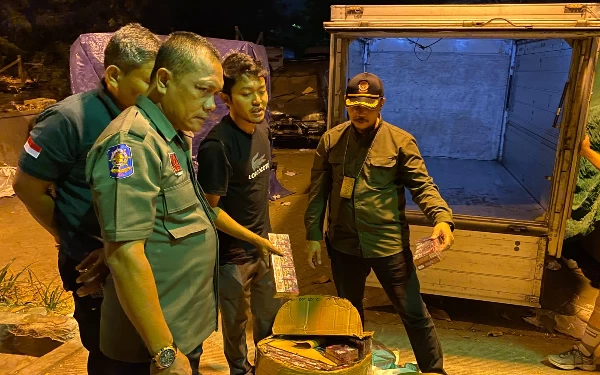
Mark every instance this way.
x=360 y=170
x=161 y=243
x=55 y=155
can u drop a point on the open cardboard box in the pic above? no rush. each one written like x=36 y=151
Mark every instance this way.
x=303 y=327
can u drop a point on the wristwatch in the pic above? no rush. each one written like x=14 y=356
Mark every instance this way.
x=165 y=357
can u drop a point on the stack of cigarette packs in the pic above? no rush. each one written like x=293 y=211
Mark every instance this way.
x=286 y=282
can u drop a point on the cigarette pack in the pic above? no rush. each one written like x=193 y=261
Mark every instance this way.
x=428 y=253
x=286 y=283
x=341 y=354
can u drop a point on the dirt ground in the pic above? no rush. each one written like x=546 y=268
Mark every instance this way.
x=463 y=326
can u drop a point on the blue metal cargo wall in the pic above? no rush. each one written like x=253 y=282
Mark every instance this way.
x=451 y=96
x=541 y=71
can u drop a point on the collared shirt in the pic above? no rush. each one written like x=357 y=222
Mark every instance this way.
x=372 y=223
x=56 y=152
x=144 y=188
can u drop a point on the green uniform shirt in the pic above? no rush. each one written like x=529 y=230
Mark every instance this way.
x=372 y=223
x=56 y=151
x=144 y=188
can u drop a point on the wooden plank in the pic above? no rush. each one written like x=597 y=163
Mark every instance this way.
x=503 y=265
x=434 y=280
x=437 y=278
x=473 y=294
x=482 y=243
x=485 y=266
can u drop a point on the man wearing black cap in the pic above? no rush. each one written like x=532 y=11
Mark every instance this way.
x=360 y=170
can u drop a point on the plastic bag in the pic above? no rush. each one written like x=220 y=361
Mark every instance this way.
x=7 y=175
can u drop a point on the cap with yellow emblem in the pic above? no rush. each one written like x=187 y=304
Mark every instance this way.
x=364 y=89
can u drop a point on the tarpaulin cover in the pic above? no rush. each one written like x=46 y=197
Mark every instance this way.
x=87 y=67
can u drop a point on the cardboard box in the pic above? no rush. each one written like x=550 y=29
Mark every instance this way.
x=286 y=283
x=304 y=328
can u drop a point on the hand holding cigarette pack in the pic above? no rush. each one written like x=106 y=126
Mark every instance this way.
x=427 y=253
x=286 y=283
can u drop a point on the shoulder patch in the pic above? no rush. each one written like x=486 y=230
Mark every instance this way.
x=120 y=161
x=32 y=148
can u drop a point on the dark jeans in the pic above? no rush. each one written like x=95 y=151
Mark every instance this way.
x=241 y=287
x=397 y=275
x=87 y=315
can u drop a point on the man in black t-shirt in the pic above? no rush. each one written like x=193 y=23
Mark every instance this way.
x=234 y=171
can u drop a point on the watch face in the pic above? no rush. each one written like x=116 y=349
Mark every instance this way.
x=167 y=357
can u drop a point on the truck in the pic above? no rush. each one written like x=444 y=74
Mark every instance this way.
x=497 y=97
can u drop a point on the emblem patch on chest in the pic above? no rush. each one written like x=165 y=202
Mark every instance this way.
x=175 y=164
x=120 y=161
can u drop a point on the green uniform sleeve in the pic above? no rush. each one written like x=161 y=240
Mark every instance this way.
x=425 y=193
x=51 y=149
x=320 y=188
x=124 y=199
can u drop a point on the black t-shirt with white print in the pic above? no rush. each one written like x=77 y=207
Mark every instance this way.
x=236 y=166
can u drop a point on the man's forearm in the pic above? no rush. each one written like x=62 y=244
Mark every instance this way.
x=592 y=156
x=226 y=224
x=42 y=209
x=320 y=188
x=315 y=216
x=136 y=289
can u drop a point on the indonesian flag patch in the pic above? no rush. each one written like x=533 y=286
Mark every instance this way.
x=31 y=148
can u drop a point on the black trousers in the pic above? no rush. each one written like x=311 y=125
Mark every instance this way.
x=398 y=277
x=87 y=315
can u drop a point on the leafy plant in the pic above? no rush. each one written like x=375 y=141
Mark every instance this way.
x=50 y=296
x=9 y=283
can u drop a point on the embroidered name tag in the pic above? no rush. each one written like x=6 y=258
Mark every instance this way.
x=120 y=161
x=175 y=164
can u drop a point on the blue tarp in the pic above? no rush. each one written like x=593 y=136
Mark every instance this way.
x=87 y=67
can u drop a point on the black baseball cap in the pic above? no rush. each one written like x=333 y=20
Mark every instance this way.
x=364 y=89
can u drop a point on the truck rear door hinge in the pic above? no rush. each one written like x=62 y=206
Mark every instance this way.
x=518 y=228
